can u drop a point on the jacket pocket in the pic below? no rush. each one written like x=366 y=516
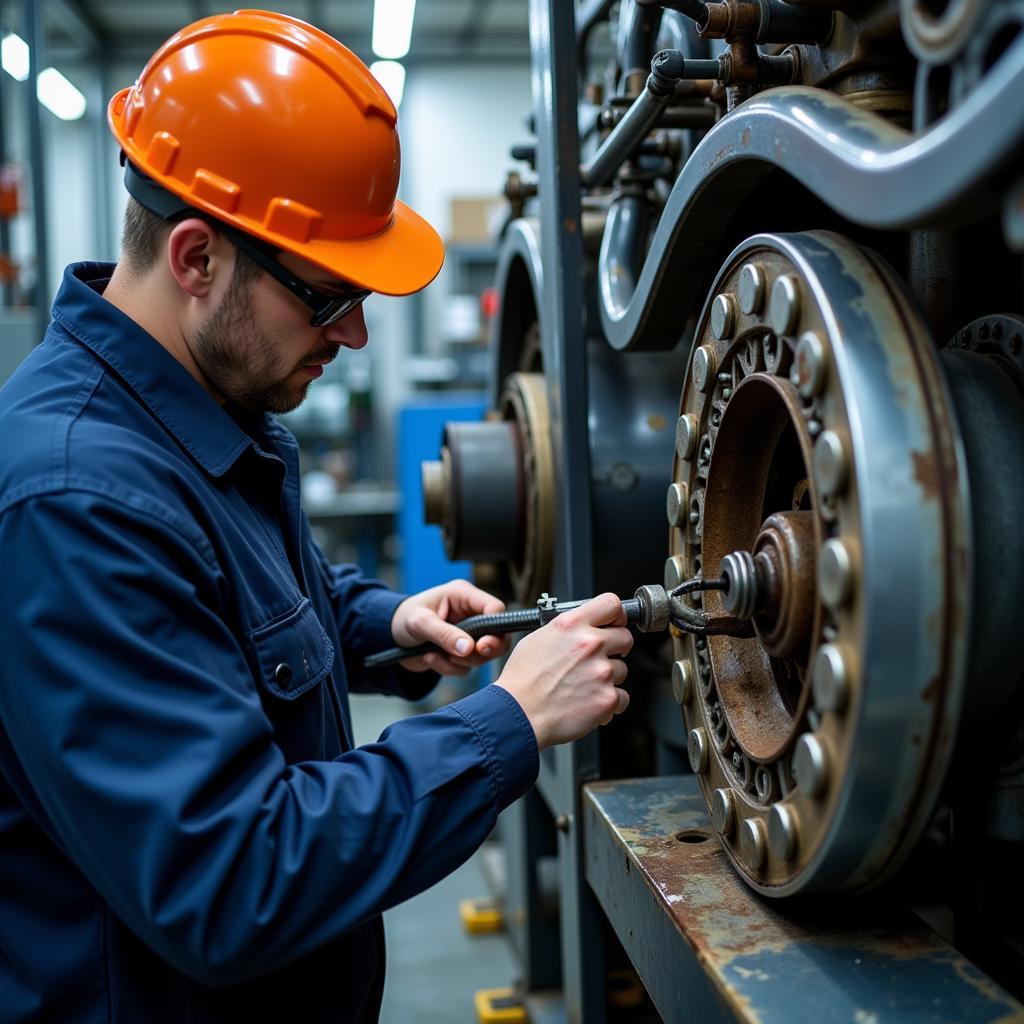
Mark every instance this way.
x=292 y=653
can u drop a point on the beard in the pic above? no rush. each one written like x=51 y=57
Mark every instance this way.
x=241 y=361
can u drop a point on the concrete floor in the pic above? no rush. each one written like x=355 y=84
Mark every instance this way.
x=434 y=967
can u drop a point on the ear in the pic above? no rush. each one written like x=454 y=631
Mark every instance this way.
x=197 y=254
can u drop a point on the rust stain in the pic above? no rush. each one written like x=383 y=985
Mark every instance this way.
x=745 y=137
x=932 y=691
x=926 y=473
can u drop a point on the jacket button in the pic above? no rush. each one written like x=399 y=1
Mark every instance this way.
x=283 y=674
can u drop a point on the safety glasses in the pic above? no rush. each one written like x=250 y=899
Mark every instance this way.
x=328 y=307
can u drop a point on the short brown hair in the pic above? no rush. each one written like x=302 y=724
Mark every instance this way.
x=142 y=234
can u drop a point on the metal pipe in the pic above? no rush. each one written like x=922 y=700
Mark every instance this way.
x=667 y=69
x=33 y=15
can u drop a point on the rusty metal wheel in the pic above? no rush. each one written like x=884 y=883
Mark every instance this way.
x=816 y=430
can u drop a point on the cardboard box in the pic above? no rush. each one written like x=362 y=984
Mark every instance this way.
x=476 y=219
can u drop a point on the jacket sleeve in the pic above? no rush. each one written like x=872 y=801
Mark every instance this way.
x=143 y=750
x=363 y=609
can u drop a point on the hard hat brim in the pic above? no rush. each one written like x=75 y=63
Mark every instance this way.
x=401 y=260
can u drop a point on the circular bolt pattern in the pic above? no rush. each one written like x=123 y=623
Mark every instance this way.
x=782 y=831
x=675 y=572
x=752 y=844
x=705 y=365
x=831 y=468
x=831 y=679
x=835 y=573
x=676 y=504
x=784 y=304
x=723 y=316
x=682 y=682
x=751 y=288
x=723 y=810
x=809 y=364
x=697 y=748
x=686 y=436
x=810 y=765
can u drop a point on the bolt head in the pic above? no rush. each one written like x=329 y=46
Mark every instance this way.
x=705 y=364
x=723 y=811
x=752 y=842
x=676 y=501
x=751 y=287
x=723 y=316
x=810 y=765
x=835 y=573
x=809 y=365
x=782 y=831
x=831 y=467
x=682 y=682
x=687 y=431
x=831 y=678
x=675 y=572
x=784 y=304
x=697 y=748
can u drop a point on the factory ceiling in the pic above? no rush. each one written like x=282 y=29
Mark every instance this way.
x=469 y=31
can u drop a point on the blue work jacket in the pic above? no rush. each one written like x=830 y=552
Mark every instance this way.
x=186 y=832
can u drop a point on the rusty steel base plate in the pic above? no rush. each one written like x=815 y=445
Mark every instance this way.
x=708 y=948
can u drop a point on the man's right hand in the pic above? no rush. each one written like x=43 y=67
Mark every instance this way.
x=567 y=675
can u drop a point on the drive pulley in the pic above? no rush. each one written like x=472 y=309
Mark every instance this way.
x=820 y=470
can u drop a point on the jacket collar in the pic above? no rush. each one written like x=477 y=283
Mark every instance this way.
x=202 y=426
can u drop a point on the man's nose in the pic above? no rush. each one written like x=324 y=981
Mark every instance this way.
x=349 y=331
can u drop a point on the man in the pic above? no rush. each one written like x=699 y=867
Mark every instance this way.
x=186 y=831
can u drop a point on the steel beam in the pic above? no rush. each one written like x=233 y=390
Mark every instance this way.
x=554 y=80
x=708 y=949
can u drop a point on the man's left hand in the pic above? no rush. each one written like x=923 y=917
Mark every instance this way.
x=427 y=618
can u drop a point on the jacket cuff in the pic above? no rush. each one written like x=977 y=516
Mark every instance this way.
x=507 y=737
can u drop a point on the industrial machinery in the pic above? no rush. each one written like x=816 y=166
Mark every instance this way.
x=766 y=280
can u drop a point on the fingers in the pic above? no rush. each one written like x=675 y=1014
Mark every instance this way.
x=617 y=640
x=468 y=599
x=488 y=647
x=603 y=610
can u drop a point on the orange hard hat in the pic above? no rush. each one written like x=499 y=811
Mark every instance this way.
x=274 y=127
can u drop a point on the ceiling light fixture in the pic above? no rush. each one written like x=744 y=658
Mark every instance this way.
x=391 y=76
x=53 y=90
x=392 y=28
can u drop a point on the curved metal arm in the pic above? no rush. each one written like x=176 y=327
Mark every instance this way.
x=860 y=165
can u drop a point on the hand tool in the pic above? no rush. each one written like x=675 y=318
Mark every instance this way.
x=651 y=610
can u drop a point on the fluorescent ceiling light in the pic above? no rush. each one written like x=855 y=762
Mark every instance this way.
x=14 y=52
x=392 y=27
x=59 y=96
x=53 y=90
x=391 y=75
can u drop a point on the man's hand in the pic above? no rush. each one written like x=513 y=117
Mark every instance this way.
x=427 y=618
x=566 y=676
